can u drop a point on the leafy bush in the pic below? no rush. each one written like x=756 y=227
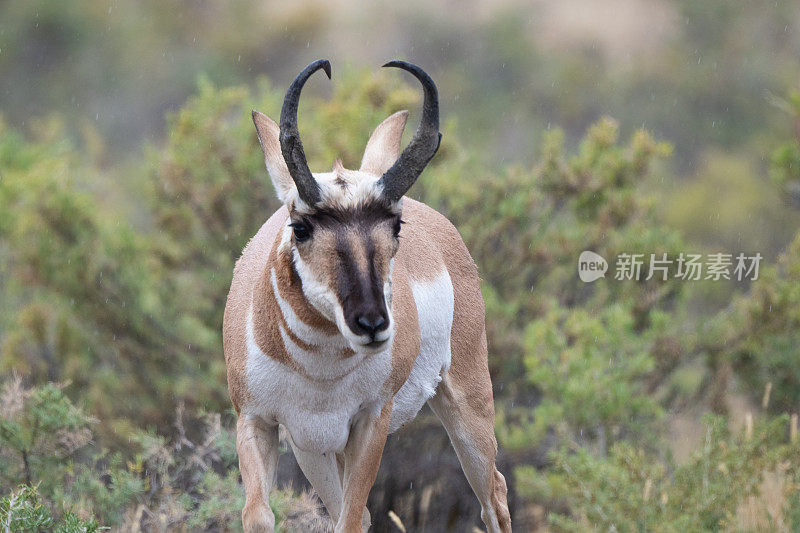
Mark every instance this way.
x=87 y=288
x=23 y=510
x=605 y=384
x=591 y=356
x=596 y=376
x=39 y=429
x=758 y=333
x=63 y=481
x=785 y=161
x=634 y=490
x=586 y=375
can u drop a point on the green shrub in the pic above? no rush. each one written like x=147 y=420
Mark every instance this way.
x=596 y=376
x=23 y=510
x=53 y=474
x=632 y=489
x=40 y=431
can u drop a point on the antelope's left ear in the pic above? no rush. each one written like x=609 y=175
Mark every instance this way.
x=383 y=147
x=268 y=135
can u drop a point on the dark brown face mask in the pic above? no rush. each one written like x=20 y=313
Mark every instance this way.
x=357 y=245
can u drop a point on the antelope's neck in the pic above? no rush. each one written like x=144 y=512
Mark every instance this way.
x=287 y=328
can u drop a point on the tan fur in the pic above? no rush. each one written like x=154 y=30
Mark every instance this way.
x=292 y=292
x=267 y=317
x=257 y=446
x=428 y=246
x=249 y=268
x=262 y=256
x=405 y=345
x=466 y=393
x=322 y=247
x=362 y=457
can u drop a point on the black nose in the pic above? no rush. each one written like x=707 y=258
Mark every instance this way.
x=370 y=325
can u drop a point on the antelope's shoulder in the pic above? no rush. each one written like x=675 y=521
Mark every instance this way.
x=430 y=244
x=248 y=268
x=255 y=254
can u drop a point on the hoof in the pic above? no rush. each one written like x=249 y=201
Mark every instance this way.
x=258 y=518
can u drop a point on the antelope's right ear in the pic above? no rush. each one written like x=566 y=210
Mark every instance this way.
x=383 y=147
x=268 y=136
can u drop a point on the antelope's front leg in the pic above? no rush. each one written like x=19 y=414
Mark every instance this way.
x=362 y=457
x=257 y=444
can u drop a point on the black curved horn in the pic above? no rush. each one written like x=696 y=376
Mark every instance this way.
x=291 y=147
x=405 y=171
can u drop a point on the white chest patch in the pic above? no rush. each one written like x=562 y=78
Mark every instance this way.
x=435 y=304
x=316 y=412
x=318 y=409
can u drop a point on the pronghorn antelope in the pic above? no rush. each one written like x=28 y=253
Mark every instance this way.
x=344 y=319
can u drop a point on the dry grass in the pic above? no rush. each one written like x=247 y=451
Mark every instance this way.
x=396 y=521
x=764 y=512
x=12 y=399
x=305 y=513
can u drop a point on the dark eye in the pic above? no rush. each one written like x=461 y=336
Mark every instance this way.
x=302 y=232
x=396 y=227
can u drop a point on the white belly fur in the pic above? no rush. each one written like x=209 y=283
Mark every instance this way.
x=318 y=413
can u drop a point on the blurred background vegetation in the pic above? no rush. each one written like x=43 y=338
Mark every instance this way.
x=130 y=180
